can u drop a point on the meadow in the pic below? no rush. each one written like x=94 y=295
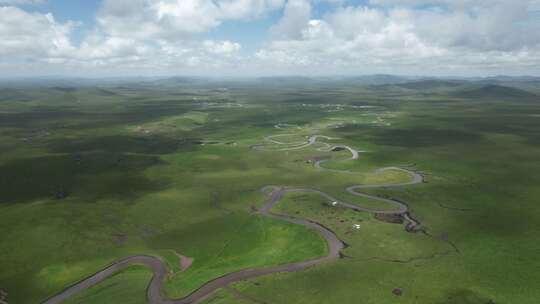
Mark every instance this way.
x=94 y=173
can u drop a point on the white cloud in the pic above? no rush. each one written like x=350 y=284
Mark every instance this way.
x=247 y=9
x=493 y=27
x=176 y=19
x=295 y=16
x=105 y=48
x=221 y=47
x=450 y=3
x=165 y=31
x=390 y=35
x=30 y=41
x=449 y=35
x=32 y=33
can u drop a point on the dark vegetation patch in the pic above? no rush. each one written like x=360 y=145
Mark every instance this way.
x=43 y=116
x=65 y=89
x=37 y=117
x=413 y=137
x=389 y=218
x=430 y=84
x=95 y=176
x=498 y=198
x=465 y=296
x=121 y=144
x=9 y=94
x=105 y=92
x=306 y=100
x=497 y=92
x=531 y=134
x=188 y=94
x=423 y=137
x=517 y=122
x=377 y=79
x=484 y=224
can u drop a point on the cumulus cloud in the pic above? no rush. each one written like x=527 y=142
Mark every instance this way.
x=166 y=29
x=382 y=35
x=438 y=34
x=34 y=41
x=221 y=47
x=33 y=33
x=175 y=19
x=449 y=3
x=295 y=16
x=138 y=34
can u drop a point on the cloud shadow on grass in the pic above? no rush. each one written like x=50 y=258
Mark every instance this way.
x=95 y=176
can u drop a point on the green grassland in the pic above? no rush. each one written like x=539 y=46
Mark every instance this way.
x=115 y=291
x=167 y=168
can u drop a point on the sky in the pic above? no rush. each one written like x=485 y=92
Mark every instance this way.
x=243 y=38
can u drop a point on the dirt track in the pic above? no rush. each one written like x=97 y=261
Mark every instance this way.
x=155 y=293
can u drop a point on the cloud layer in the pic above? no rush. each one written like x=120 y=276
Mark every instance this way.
x=395 y=35
x=169 y=37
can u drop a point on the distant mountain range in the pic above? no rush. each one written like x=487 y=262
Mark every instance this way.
x=376 y=79
x=502 y=87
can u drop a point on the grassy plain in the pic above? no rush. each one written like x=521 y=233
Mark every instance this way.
x=165 y=168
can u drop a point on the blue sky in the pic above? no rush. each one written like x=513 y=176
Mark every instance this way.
x=83 y=11
x=269 y=37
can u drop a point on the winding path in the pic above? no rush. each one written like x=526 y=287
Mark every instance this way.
x=290 y=145
x=155 y=292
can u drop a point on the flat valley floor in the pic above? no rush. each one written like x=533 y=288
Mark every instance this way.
x=270 y=191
